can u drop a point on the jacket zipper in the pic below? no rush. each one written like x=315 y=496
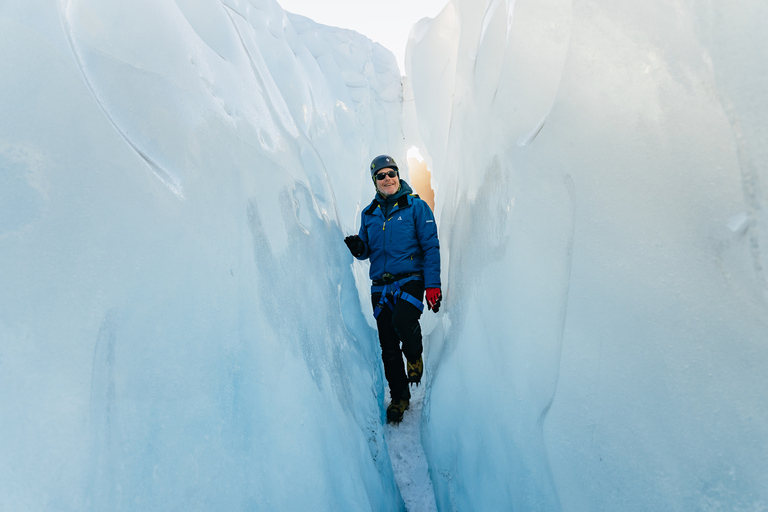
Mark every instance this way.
x=384 y=228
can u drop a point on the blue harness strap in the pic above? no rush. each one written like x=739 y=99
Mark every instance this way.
x=393 y=289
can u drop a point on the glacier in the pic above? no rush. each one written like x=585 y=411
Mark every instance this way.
x=181 y=326
x=601 y=176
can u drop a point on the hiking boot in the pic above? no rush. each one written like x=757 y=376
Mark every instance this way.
x=415 y=370
x=396 y=409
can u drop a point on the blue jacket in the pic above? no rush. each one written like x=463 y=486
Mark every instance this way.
x=400 y=236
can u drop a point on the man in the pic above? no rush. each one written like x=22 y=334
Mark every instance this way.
x=399 y=235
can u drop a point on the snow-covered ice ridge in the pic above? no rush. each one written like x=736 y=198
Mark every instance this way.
x=181 y=327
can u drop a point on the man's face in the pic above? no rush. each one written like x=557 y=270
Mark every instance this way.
x=390 y=184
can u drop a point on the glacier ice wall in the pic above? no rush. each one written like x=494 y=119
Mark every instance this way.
x=179 y=323
x=601 y=192
x=175 y=178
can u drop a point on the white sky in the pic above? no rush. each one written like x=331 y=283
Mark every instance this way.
x=385 y=21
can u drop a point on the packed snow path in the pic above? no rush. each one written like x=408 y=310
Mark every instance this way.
x=409 y=462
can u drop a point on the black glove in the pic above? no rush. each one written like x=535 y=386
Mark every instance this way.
x=356 y=245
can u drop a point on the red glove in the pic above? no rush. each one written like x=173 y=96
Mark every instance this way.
x=434 y=296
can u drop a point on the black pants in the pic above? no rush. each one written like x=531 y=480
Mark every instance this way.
x=400 y=325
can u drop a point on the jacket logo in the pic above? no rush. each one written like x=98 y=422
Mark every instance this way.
x=400 y=218
x=430 y=221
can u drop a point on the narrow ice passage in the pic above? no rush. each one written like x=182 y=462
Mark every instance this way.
x=179 y=325
x=409 y=462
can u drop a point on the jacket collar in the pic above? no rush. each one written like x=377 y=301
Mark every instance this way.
x=405 y=189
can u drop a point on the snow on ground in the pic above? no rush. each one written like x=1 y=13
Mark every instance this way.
x=409 y=462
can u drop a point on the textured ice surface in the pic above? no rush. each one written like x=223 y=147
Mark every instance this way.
x=179 y=325
x=601 y=196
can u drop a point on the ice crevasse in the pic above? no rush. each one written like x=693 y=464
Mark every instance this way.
x=181 y=328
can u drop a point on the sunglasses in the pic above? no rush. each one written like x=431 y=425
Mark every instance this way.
x=383 y=175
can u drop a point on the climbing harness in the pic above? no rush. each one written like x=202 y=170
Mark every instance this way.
x=389 y=286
